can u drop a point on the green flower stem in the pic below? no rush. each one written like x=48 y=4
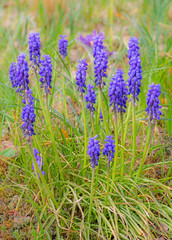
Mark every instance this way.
x=108 y=178
x=134 y=136
x=92 y=121
x=116 y=145
x=64 y=98
x=85 y=135
x=98 y=114
x=92 y=193
x=146 y=150
x=127 y=120
x=16 y=121
x=122 y=144
x=48 y=122
x=103 y=112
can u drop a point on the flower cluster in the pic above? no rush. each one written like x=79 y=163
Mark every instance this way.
x=38 y=160
x=109 y=148
x=97 y=44
x=100 y=61
x=153 y=107
x=135 y=72
x=118 y=91
x=63 y=44
x=93 y=151
x=22 y=73
x=45 y=71
x=100 y=66
x=90 y=97
x=34 y=48
x=28 y=117
x=81 y=75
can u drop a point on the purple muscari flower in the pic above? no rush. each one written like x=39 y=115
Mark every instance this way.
x=45 y=71
x=63 y=44
x=97 y=44
x=90 y=97
x=38 y=160
x=28 y=117
x=81 y=75
x=135 y=71
x=153 y=107
x=93 y=150
x=100 y=66
x=22 y=73
x=100 y=61
x=12 y=75
x=118 y=91
x=109 y=148
x=34 y=48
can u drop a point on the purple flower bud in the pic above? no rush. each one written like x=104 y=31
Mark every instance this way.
x=101 y=116
x=90 y=97
x=81 y=75
x=109 y=148
x=153 y=107
x=12 y=75
x=63 y=44
x=93 y=151
x=38 y=160
x=118 y=91
x=45 y=71
x=34 y=48
x=135 y=72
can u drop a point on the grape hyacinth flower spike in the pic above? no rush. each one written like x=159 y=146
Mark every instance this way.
x=109 y=148
x=28 y=117
x=81 y=75
x=34 y=48
x=135 y=71
x=22 y=73
x=100 y=61
x=38 y=160
x=153 y=102
x=63 y=45
x=118 y=97
x=93 y=150
x=45 y=72
x=153 y=109
x=134 y=84
x=90 y=97
x=118 y=91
